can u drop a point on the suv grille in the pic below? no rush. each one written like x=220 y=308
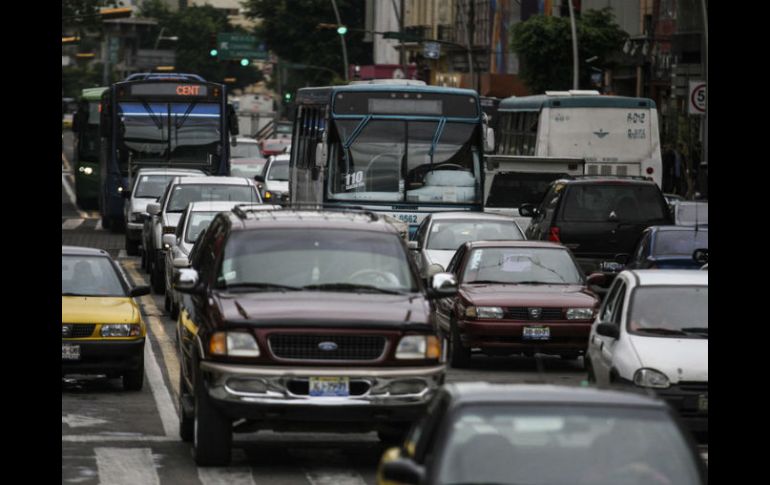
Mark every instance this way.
x=522 y=313
x=79 y=330
x=308 y=347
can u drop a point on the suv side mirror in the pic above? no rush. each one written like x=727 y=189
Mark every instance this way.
x=153 y=208
x=528 y=210
x=169 y=240
x=403 y=470
x=607 y=329
x=259 y=179
x=442 y=285
x=186 y=281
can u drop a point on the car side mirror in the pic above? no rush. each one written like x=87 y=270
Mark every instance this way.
x=186 y=281
x=701 y=256
x=180 y=263
x=442 y=285
x=153 y=208
x=527 y=210
x=607 y=329
x=139 y=291
x=259 y=179
x=413 y=245
x=596 y=279
x=169 y=240
x=403 y=470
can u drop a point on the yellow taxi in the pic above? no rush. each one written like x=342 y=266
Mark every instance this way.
x=102 y=329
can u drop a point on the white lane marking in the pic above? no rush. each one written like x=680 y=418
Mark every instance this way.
x=126 y=466
x=226 y=476
x=71 y=194
x=163 y=401
x=334 y=477
x=98 y=438
x=98 y=225
x=71 y=224
x=78 y=421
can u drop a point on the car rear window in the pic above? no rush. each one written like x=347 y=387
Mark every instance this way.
x=680 y=242
x=633 y=203
x=512 y=189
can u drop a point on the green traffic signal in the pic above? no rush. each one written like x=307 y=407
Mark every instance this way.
x=244 y=62
x=213 y=52
x=287 y=96
x=342 y=30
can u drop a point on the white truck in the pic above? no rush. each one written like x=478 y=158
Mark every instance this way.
x=254 y=112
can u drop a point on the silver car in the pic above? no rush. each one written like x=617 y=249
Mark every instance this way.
x=147 y=186
x=441 y=233
x=165 y=214
x=275 y=179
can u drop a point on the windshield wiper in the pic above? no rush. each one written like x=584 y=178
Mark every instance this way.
x=487 y=282
x=661 y=330
x=351 y=287
x=697 y=330
x=254 y=286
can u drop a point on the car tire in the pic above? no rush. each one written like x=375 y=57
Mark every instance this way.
x=132 y=247
x=212 y=432
x=134 y=380
x=459 y=356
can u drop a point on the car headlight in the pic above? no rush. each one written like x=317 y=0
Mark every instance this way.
x=121 y=330
x=418 y=347
x=268 y=195
x=651 y=378
x=234 y=344
x=86 y=170
x=580 y=313
x=484 y=312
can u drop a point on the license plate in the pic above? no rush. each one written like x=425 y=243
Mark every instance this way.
x=537 y=333
x=70 y=352
x=329 y=386
x=703 y=403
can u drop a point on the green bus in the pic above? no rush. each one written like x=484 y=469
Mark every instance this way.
x=85 y=163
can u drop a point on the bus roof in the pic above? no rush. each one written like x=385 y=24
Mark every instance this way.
x=92 y=94
x=540 y=101
x=320 y=94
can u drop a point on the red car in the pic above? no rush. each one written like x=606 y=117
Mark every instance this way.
x=516 y=297
x=274 y=146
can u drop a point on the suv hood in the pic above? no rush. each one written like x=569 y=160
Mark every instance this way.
x=528 y=295
x=685 y=359
x=326 y=309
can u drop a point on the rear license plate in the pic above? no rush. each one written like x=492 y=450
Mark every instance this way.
x=70 y=352
x=329 y=386
x=703 y=403
x=536 y=333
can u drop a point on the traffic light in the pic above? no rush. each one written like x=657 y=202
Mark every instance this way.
x=244 y=62
x=287 y=97
x=342 y=30
x=214 y=52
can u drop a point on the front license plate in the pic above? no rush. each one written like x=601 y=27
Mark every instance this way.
x=329 y=386
x=70 y=352
x=537 y=333
x=703 y=403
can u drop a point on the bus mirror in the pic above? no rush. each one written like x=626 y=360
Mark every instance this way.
x=489 y=140
x=320 y=154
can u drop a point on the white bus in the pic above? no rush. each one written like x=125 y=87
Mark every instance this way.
x=615 y=135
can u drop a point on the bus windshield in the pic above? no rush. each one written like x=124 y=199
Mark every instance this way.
x=405 y=160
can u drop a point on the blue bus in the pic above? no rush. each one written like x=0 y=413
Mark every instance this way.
x=160 y=120
x=400 y=148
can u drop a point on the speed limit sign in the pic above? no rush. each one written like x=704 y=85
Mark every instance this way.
x=697 y=103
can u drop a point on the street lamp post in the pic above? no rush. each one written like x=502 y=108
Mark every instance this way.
x=342 y=39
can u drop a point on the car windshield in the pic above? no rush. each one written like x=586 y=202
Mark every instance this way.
x=249 y=170
x=322 y=259
x=522 y=265
x=198 y=222
x=564 y=445
x=448 y=235
x=634 y=203
x=669 y=311
x=152 y=186
x=181 y=195
x=278 y=171
x=680 y=242
x=90 y=276
x=245 y=150
x=390 y=160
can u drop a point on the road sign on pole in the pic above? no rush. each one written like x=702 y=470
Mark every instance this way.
x=240 y=46
x=697 y=98
x=431 y=50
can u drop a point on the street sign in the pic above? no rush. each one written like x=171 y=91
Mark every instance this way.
x=431 y=50
x=697 y=98
x=240 y=46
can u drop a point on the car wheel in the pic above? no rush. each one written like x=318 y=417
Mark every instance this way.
x=132 y=247
x=459 y=356
x=133 y=380
x=212 y=432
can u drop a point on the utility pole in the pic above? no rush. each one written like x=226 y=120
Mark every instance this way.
x=574 y=46
x=705 y=154
x=402 y=52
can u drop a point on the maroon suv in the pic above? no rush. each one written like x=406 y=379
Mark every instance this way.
x=516 y=297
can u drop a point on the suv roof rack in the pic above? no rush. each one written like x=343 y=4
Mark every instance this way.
x=243 y=211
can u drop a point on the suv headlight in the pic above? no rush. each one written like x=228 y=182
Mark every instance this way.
x=651 y=378
x=580 y=313
x=418 y=347
x=121 y=330
x=234 y=344
x=484 y=312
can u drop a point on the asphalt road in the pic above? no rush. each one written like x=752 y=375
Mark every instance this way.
x=114 y=437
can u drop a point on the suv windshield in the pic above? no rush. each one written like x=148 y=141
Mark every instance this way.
x=181 y=195
x=522 y=265
x=628 y=202
x=669 y=311
x=152 y=186
x=90 y=276
x=278 y=170
x=331 y=259
x=564 y=445
x=449 y=235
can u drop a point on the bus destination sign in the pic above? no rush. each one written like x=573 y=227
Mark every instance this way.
x=169 y=89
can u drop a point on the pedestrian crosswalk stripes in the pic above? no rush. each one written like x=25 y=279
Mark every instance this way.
x=126 y=466
x=226 y=476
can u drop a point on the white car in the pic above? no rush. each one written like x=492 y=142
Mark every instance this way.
x=651 y=333
x=441 y=233
x=275 y=178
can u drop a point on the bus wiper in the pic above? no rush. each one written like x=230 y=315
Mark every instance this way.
x=258 y=285
x=351 y=287
x=661 y=330
x=436 y=138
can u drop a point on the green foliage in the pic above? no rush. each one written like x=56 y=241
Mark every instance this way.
x=78 y=76
x=79 y=16
x=544 y=46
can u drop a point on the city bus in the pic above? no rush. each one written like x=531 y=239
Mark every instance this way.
x=396 y=147
x=615 y=135
x=160 y=120
x=85 y=163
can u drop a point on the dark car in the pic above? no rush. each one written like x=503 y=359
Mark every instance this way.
x=669 y=247
x=304 y=319
x=597 y=217
x=493 y=434
x=516 y=297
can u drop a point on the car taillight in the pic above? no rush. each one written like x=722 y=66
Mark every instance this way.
x=553 y=234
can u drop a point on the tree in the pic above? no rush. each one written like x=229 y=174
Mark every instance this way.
x=544 y=46
x=78 y=16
